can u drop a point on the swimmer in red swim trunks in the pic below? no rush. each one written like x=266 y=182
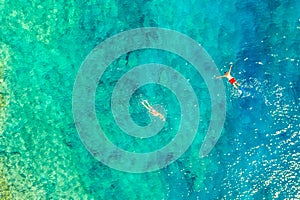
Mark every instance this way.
x=231 y=80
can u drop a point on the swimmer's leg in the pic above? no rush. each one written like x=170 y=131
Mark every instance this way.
x=162 y=117
x=235 y=86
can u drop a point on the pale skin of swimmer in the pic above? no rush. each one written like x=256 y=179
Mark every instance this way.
x=230 y=78
x=151 y=110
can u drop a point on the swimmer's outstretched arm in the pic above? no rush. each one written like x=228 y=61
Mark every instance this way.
x=230 y=68
x=146 y=104
x=221 y=77
x=151 y=110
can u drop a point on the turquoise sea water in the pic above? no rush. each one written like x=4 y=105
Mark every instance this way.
x=43 y=44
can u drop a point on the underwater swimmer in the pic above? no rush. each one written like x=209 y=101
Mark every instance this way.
x=151 y=110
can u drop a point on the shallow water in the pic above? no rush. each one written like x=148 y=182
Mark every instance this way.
x=43 y=45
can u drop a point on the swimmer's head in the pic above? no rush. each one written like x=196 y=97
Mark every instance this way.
x=225 y=73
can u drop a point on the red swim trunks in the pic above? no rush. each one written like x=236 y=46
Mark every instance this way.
x=232 y=81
